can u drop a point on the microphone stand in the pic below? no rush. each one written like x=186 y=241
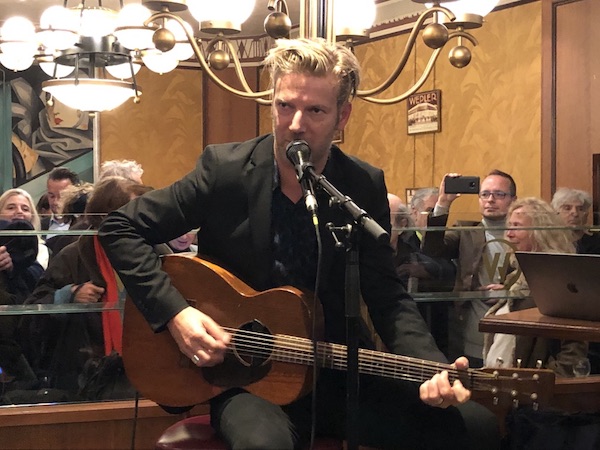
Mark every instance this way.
x=364 y=224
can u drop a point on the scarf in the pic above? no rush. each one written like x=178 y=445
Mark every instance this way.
x=111 y=319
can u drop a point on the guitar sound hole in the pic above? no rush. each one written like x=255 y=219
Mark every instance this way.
x=253 y=344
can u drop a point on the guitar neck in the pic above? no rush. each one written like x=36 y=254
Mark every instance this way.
x=296 y=350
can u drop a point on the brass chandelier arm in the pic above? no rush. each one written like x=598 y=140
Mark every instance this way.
x=198 y=52
x=421 y=81
x=240 y=74
x=464 y=34
x=414 y=34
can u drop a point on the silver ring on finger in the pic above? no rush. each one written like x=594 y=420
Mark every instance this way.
x=196 y=359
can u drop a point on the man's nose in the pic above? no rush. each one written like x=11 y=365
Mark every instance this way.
x=297 y=121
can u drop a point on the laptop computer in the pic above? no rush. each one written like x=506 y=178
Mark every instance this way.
x=563 y=285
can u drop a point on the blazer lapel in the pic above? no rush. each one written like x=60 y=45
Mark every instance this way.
x=258 y=183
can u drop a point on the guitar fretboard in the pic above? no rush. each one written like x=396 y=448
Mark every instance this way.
x=296 y=350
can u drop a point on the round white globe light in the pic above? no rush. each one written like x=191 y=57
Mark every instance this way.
x=159 y=62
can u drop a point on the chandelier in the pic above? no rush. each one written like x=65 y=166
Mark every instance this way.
x=93 y=53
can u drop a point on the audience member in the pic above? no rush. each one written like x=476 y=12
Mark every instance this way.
x=72 y=208
x=19 y=273
x=67 y=347
x=122 y=168
x=398 y=218
x=183 y=244
x=247 y=203
x=480 y=254
x=43 y=206
x=411 y=264
x=58 y=179
x=17 y=204
x=532 y=228
x=422 y=204
x=420 y=272
x=573 y=206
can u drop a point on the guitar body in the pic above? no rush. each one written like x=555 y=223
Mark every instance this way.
x=272 y=354
x=160 y=372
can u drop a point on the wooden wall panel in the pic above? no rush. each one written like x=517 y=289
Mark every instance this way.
x=577 y=92
x=163 y=132
x=226 y=117
x=490 y=109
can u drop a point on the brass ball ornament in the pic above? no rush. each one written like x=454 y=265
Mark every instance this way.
x=460 y=56
x=163 y=39
x=435 y=35
x=219 y=59
x=278 y=25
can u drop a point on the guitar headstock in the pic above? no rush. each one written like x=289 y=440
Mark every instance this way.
x=506 y=387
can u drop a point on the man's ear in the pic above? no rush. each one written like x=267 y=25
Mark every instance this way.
x=344 y=115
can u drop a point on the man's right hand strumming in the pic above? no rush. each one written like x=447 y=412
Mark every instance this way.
x=199 y=337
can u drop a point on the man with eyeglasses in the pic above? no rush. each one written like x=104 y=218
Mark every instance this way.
x=480 y=254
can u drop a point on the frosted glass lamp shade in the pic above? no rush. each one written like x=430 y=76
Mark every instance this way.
x=16 y=62
x=89 y=94
x=123 y=71
x=222 y=13
x=96 y=21
x=61 y=70
x=159 y=62
x=480 y=7
x=353 y=17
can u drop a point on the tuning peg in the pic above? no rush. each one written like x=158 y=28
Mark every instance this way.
x=539 y=364
x=499 y=361
x=535 y=405
x=519 y=362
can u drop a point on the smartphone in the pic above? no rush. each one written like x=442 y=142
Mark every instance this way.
x=461 y=185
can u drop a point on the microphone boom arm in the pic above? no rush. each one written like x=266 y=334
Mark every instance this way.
x=358 y=214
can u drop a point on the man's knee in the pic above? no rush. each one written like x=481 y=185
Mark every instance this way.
x=482 y=426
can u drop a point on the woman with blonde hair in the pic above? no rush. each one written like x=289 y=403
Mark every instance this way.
x=17 y=204
x=532 y=226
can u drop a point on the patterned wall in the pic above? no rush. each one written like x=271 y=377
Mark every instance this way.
x=163 y=132
x=490 y=110
x=490 y=114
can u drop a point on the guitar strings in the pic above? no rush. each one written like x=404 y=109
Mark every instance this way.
x=299 y=350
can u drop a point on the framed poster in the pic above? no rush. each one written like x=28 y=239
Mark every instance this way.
x=44 y=137
x=424 y=112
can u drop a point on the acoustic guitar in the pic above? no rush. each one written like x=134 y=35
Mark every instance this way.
x=271 y=353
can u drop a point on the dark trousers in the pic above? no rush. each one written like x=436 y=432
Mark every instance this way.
x=391 y=415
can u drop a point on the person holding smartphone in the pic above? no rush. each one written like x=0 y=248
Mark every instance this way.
x=480 y=253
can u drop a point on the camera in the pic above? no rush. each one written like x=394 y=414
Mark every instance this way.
x=461 y=185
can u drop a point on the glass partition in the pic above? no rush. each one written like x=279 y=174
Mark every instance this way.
x=50 y=350
x=460 y=267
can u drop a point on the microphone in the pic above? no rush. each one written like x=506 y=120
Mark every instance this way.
x=298 y=152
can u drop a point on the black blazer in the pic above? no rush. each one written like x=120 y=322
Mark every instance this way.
x=228 y=196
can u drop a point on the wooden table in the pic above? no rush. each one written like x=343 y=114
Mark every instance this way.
x=530 y=322
x=570 y=394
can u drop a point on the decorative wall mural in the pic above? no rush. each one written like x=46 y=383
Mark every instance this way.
x=43 y=137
